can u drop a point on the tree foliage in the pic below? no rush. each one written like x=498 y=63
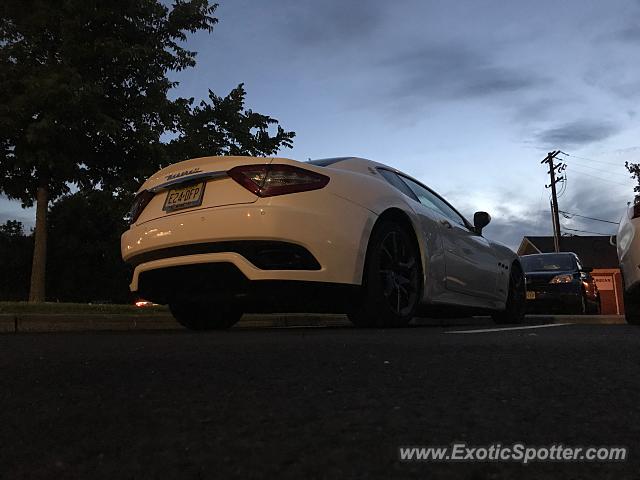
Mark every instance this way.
x=222 y=126
x=15 y=261
x=634 y=170
x=84 y=101
x=84 y=261
x=83 y=89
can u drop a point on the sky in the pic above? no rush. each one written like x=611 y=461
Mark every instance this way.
x=467 y=96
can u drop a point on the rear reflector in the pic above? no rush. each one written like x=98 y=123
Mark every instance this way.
x=272 y=180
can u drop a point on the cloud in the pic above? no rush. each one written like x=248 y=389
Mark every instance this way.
x=316 y=24
x=615 y=75
x=577 y=133
x=27 y=221
x=587 y=198
x=12 y=210
x=594 y=199
x=511 y=229
x=630 y=34
x=453 y=71
x=513 y=216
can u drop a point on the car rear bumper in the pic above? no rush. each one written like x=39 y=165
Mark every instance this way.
x=224 y=282
x=331 y=230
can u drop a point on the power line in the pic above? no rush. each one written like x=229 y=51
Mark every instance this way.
x=587 y=231
x=601 y=179
x=590 y=218
x=591 y=159
x=600 y=170
x=563 y=188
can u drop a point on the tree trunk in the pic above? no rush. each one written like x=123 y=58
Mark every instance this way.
x=38 y=267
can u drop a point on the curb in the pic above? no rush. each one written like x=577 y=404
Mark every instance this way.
x=79 y=322
x=45 y=323
x=8 y=323
x=580 y=319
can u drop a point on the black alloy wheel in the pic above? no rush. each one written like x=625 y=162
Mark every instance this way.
x=398 y=269
x=392 y=278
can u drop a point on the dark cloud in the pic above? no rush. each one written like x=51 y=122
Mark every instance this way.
x=596 y=199
x=578 y=133
x=508 y=222
x=509 y=225
x=312 y=24
x=614 y=75
x=454 y=71
x=512 y=217
x=590 y=198
x=629 y=34
x=511 y=229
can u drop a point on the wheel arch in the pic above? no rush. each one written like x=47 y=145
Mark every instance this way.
x=516 y=261
x=398 y=215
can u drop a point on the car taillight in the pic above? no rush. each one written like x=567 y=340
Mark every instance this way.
x=272 y=180
x=139 y=204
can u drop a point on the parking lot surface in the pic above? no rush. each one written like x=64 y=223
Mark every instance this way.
x=315 y=402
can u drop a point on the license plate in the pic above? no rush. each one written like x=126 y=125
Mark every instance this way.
x=185 y=197
x=531 y=295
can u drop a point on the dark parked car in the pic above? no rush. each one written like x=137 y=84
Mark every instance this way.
x=559 y=283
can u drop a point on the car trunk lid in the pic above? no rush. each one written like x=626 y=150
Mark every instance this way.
x=194 y=185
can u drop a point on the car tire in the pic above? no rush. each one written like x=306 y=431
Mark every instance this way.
x=198 y=316
x=582 y=306
x=392 y=279
x=631 y=308
x=516 y=298
x=598 y=307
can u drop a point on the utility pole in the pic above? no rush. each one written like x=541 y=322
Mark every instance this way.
x=556 y=235
x=554 y=199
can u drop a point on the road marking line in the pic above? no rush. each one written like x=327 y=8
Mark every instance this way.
x=506 y=329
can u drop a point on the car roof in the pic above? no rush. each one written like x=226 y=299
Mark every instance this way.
x=363 y=164
x=339 y=162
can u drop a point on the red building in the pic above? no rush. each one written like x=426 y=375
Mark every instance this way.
x=597 y=252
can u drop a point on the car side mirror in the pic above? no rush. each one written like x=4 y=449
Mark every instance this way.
x=480 y=220
x=587 y=269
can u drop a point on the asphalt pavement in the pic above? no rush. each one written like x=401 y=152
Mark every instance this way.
x=315 y=402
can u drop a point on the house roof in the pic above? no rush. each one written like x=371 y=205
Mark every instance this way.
x=594 y=251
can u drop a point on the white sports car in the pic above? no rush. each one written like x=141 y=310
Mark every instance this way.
x=215 y=237
x=628 y=243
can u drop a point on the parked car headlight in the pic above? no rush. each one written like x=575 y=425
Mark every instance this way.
x=564 y=278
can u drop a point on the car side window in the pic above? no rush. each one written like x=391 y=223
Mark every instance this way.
x=395 y=180
x=432 y=201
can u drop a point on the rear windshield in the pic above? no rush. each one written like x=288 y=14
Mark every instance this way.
x=543 y=263
x=325 y=162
